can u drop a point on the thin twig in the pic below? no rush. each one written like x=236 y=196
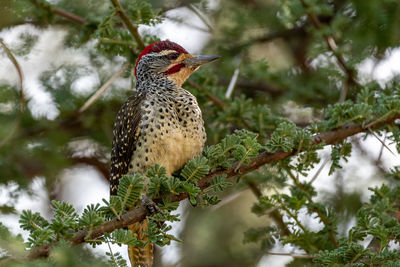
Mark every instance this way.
x=319 y=170
x=180 y=21
x=19 y=70
x=321 y=216
x=383 y=143
x=274 y=214
x=381 y=150
x=343 y=92
x=69 y=15
x=173 y=5
x=131 y=28
x=210 y=96
x=232 y=83
x=299 y=256
x=256 y=86
x=228 y=199
x=253 y=187
x=112 y=254
x=330 y=41
x=201 y=17
x=22 y=101
x=140 y=213
x=377 y=162
x=103 y=88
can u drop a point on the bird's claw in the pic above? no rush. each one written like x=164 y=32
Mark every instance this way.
x=149 y=204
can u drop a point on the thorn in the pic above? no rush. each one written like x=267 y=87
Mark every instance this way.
x=233 y=81
x=377 y=137
x=319 y=170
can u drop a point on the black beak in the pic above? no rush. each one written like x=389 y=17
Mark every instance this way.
x=197 y=61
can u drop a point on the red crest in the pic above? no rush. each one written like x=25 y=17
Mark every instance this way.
x=160 y=46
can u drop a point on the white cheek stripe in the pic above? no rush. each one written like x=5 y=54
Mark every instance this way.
x=166 y=52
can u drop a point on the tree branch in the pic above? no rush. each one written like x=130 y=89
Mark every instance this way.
x=210 y=96
x=104 y=87
x=275 y=214
x=259 y=86
x=330 y=41
x=138 y=214
x=200 y=16
x=298 y=256
x=69 y=16
x=94 y=162
x=22 y=101
x=128 y=218
x=131 y=28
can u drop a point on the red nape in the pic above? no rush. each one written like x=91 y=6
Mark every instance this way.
x=174 y=69
x=161 y=46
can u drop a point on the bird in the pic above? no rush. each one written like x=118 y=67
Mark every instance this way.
x=161 y=123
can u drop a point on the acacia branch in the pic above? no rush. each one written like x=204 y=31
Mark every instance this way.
x=69 y=16
x=22 y=101
x=96 y=163
x=331 y=43
x=140 y=213
x=104 y=87
x=80 y=20
x=131 y=28
x=126 y=219
x=296 y=256
x=275 y=214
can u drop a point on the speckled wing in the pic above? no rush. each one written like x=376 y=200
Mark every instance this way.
x=126 y=132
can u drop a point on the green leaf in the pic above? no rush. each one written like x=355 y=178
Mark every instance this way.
x=339 y=151
x=173 y=185
x=169 y=205
x=195 y=169
x=130 y=189
x=65 y=219
x=208 y=200
x=112 y=208
x=116 y=259
x=141 y=12
x=92 y=216
x=123 y=237
x=218 y=183
x=32 y=221
x=40 y=237
x=63 y=209
x=158 y=181
x=264 y=235
x=192 y=190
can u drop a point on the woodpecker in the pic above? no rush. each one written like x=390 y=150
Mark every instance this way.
x=160 y=123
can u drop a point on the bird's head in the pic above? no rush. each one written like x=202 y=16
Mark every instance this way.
x=169 y=60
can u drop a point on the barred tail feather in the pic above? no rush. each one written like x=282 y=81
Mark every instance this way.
x=141 y=256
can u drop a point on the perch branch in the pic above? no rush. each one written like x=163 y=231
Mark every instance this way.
x=138 y=214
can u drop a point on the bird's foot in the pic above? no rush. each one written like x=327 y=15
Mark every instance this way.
x=149 y=204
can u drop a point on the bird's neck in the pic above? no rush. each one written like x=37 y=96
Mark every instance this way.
x=158 y=82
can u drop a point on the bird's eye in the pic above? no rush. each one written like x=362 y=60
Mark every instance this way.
x=173 y=56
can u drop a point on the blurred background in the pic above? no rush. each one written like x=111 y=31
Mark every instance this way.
x=54 y=144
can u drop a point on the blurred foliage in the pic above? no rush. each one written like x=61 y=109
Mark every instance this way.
x=283 y=51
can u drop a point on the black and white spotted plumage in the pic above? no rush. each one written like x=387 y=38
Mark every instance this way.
x=126 y=132
x=160 y=124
